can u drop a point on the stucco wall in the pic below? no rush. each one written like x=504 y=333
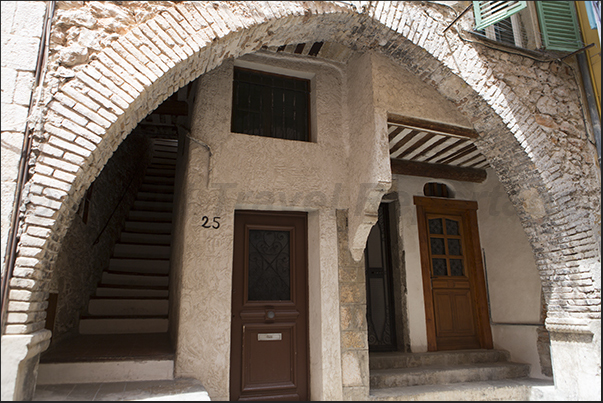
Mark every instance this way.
x=513 y=281
x=369 y=168
x=224 y=171
x=398 y=91
x=251 y=172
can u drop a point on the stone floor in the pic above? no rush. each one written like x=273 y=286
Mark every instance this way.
x=168 y=390
x=97 y=348
x=101 y=347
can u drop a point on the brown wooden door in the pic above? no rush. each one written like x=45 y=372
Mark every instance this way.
x=269 y=350
x=453 y=282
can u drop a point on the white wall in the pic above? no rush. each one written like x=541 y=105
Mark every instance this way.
x=226 y=171
x=252 y=172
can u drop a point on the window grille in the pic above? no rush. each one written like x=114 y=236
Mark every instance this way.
x=270 y=105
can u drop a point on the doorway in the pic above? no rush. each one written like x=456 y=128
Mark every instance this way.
x=456 y=306
x=380 y=313
x=269 y=344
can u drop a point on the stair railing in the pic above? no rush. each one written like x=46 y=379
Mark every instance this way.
x=113 y=212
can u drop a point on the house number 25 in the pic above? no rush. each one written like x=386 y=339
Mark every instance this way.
x=215 y=224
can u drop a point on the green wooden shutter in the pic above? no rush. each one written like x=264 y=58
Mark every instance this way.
x=559 y=25
x=490 y=12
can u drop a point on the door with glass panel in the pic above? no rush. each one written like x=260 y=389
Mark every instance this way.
x=269 y=344
x=453 y=280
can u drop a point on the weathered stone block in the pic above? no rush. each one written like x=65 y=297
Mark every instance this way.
x=348 y=274
x=352 y=293
x=13 y=117
x=350 y=369
x=19 y=52
x=9 y=79
x=353 y=339
x=22 y=317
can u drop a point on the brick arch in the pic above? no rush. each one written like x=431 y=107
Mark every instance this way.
x=89 y=116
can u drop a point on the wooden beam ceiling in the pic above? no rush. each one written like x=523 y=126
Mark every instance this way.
x=437 y=150
x=439 y=171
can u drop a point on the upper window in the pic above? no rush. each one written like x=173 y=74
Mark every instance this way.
x=514 y=23
x=270 y=105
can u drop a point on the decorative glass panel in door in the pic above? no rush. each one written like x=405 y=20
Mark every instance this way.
x=268 y=266
x=454 y=316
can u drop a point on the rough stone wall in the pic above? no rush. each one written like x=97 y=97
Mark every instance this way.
x=551 y=175
x=22 y=23
x=80 y=261
x=352 y=299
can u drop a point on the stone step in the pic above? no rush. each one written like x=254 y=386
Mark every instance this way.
x=162 y=166
x=180 y=389
x=111 y=306
x=161 y=172
x=164 y=160
x=152 y=188
x=124 y=325
x=158 y=180
x=131 y=291
x=105 y=371
x=148 y=239
x=165 y=148
x=164 y=153
x=153 y=196
x=442 y=358
x=165 y=142
x=148 y=227
x=523 y=389
x=150 y=205
x=150 y=216
x=436 y=375
x=124 y=278
x=142 y=266
x=169 y=143
x=134 y=251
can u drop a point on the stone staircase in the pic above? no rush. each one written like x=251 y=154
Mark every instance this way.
x=132 y=296
x=451 y=375
x=123 y=337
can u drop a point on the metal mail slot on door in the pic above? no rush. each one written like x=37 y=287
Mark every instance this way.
x=270 y=336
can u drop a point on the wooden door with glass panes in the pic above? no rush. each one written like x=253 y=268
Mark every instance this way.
x=453 y=280
x=269 y=346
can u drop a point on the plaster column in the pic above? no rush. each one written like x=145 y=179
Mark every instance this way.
x=576 y=358
x=20 y=358
x=323 y=304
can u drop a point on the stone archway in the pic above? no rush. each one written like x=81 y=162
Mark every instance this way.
x=556 y=191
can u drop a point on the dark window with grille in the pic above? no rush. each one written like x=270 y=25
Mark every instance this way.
x=270 y=105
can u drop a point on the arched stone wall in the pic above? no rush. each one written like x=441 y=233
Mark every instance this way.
x=535 y=143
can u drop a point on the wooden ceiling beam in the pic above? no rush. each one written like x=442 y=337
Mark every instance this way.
x=438 y=171
x=427 y=125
